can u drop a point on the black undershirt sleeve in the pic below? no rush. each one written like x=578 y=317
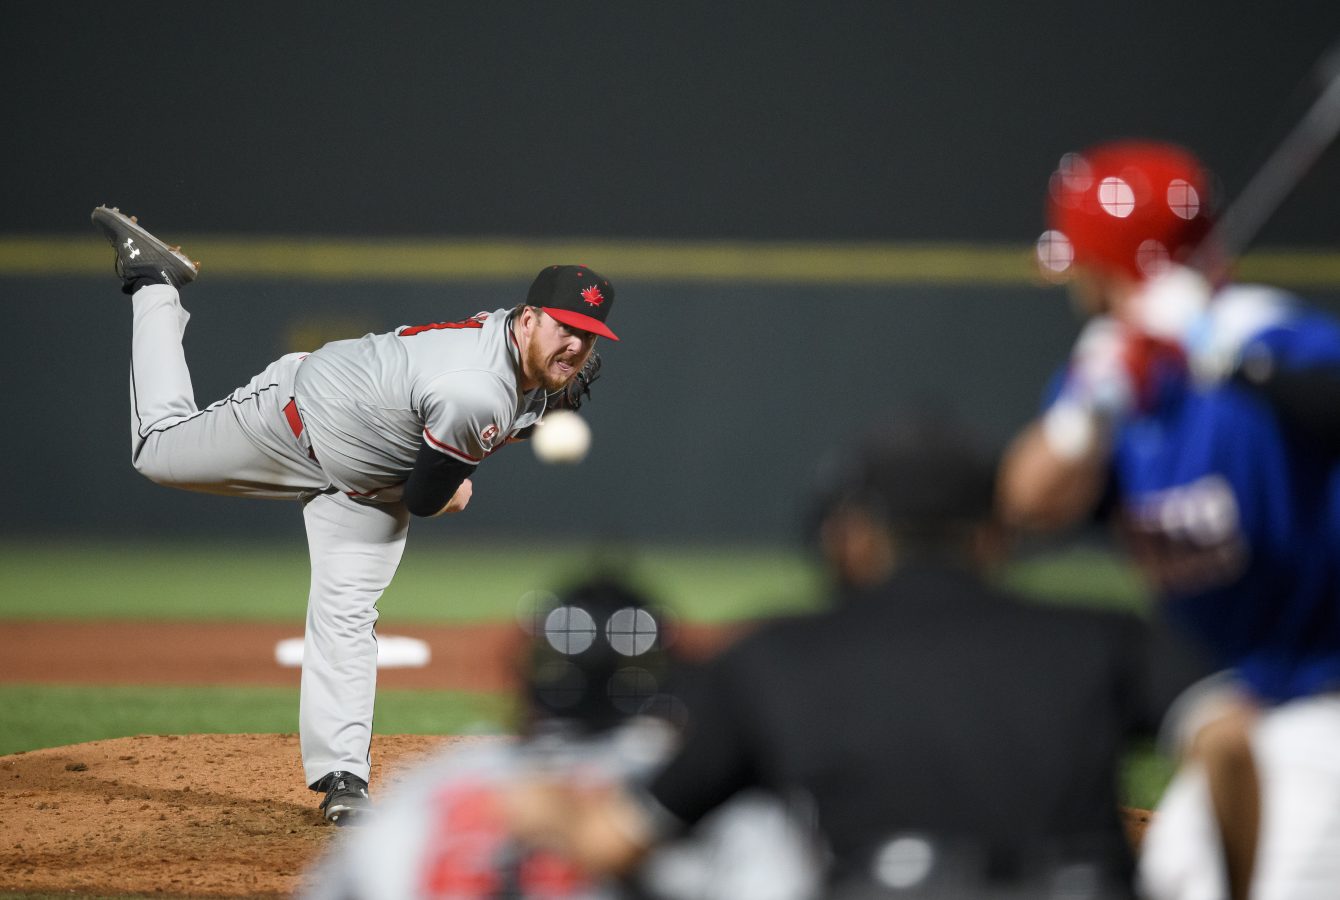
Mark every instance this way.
x=433 y=480
x=1306 y=400
x=1160 y=665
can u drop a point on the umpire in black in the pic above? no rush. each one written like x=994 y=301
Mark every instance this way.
x=951 y=740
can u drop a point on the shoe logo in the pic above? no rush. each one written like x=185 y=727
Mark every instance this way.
x=130 y=245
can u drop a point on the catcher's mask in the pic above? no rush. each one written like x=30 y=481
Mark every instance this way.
x=597 y=656
x=1130 y=207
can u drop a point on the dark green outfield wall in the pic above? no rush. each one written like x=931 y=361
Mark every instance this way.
x=708 y=421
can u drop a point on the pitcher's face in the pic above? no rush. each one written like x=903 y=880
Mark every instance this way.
x=553 y=353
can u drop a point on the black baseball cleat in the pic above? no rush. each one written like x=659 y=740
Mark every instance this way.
x=347 y=801
x=142 y=258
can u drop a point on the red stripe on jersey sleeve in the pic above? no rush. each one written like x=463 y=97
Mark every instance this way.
x=411 y=330
x=447 y=448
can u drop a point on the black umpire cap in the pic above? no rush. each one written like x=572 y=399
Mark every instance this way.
x=920 y=477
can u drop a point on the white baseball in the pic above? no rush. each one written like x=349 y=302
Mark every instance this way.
x=562 y=436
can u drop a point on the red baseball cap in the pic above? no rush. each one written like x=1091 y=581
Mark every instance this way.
x=576 y=296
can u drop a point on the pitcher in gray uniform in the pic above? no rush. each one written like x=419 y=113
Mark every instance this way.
x=365 y=433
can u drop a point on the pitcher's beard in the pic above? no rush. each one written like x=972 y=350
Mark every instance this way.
x=539 y=364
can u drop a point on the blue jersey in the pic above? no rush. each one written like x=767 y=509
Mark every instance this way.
x=1237 y=517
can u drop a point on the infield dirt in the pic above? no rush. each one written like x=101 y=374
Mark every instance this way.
x=192 y=815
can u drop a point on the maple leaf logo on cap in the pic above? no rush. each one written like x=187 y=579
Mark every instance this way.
x=593 y=296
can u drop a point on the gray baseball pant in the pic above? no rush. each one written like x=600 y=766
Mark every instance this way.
x=243 y=446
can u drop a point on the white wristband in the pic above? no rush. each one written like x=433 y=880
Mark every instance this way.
x=1070 y=429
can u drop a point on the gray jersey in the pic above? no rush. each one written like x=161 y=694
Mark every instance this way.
x=368 y=404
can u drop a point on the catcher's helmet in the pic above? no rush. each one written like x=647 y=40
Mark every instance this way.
x=597 y=656
x=1128 y=206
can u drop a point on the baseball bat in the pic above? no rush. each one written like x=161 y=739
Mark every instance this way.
x=1281 y=172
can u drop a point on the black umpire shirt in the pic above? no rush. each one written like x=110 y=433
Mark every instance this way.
x=936 y=705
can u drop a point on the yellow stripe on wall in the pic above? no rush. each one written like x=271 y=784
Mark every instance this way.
x=451 y=259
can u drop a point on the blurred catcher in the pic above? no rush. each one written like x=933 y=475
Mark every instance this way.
x=596 y=704
x=364 y=433
x=1205 y=416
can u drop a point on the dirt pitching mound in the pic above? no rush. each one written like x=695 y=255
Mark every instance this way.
x=196 y=815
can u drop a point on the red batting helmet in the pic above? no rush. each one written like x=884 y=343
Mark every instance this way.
x=1128 y=206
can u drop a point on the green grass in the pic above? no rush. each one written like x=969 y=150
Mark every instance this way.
x=1144 y=775
x=39 y=716
x=1082 y=576
x=460 y=582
